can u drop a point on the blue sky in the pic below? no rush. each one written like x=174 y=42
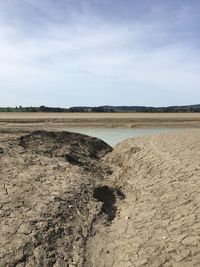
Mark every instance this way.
x=91 y=52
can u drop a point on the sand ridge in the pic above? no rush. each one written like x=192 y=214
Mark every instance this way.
x=158 y=223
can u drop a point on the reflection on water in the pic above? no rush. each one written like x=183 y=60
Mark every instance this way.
x=112 y=136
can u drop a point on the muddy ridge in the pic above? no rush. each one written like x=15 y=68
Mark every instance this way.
x=48 y=185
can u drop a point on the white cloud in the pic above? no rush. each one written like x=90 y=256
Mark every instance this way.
x=96 y=52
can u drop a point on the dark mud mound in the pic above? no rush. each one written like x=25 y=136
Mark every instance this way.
x=65 y=144
x=47 y=206
x=77 y=149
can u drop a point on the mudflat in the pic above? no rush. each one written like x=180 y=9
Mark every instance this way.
x=53 y=121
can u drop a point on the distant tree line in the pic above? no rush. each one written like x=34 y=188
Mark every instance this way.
x=32 y=109
x=103 y=109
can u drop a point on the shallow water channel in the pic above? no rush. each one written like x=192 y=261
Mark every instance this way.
x=112 y=136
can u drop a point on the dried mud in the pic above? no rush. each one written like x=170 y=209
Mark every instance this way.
x=70 y=200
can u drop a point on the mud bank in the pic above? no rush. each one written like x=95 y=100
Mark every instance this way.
x=67 y=199
x=48 y=204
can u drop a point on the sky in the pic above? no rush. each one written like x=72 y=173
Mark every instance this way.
x=91 y=53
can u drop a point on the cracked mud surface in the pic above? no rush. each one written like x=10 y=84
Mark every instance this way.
x=67 y=200
x=46 y=202
x=158 y=223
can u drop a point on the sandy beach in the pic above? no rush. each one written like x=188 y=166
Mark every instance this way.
x=54 y=121
x=72 y=200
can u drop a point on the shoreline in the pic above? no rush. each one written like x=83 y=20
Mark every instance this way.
x=60 y=121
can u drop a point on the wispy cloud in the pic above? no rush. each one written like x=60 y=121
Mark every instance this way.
x=58 y=59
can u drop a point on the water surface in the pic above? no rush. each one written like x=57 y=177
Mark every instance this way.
x=112 y=136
